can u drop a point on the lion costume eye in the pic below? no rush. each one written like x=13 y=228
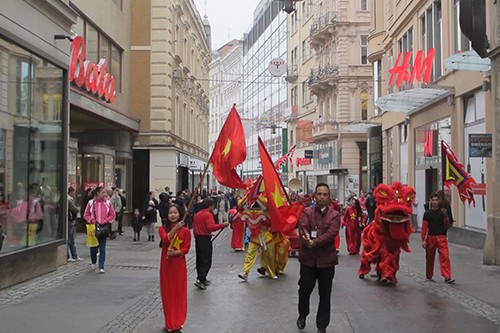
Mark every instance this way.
x=383 y=194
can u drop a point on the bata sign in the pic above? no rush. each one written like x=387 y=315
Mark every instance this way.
x=421 y=67
x=88 y=75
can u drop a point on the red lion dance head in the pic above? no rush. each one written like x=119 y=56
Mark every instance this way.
x=390 y=232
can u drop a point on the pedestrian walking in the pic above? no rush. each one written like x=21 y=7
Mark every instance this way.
x=72 y=214
x=136 y=222
x=434 y=225
x=353 y=222
x=149 y=215
x=116 y=201
x=204 y=225
x=175 y=244
x=371 y=205
x=318 y=227
x=99 y=211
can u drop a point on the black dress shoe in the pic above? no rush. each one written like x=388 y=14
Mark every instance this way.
x=321 y=330
x=301 y=323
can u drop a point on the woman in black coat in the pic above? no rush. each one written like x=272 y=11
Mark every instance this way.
x=149 y=215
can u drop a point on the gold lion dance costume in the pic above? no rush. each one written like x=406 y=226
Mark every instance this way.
x=390 y=232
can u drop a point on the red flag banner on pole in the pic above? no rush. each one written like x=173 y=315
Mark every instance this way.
x=230 y=150
x=454 y=173
x=282 y=160
x=284 y=216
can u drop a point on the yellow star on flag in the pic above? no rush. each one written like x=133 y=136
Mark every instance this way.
x=176 y=243
x=227 y=148
x=278 y=196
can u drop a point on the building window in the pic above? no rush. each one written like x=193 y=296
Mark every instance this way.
x=306 y=94
x=293 y=95
x=294 y=21
x=99 y=47
x=293 y=55
x=364 y=105
x=404 y=132
x=306 y=50
x=475 y=107
x=377 y=82
x=364 y=50
x=462 y=43
x=431 y=27
x=364 y=4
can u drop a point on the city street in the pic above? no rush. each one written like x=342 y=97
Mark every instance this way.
x=126 y=298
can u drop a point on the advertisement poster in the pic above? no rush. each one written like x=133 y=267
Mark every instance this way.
x=480 y=145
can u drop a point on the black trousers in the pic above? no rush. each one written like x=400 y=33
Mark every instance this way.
x=307 y=281
x=203 y=256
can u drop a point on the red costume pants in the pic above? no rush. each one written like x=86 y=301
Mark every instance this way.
x=440 y=243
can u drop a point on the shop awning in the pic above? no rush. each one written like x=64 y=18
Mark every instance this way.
x=468 y=61
x=412 y=100
x=361 y=127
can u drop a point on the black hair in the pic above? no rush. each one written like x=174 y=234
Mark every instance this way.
x=207 y=203
x=322 y=185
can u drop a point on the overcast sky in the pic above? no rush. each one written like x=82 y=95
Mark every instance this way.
x=229 y=19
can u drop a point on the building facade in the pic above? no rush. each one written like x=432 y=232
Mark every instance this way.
x=265 y=105
x=341 y=80
x=34 y=114
x=170 y=55
x=226 y=89
x=425 y=96
x=303 y=104
x=103 y=124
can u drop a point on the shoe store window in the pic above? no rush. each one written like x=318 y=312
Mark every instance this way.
x=31 y=149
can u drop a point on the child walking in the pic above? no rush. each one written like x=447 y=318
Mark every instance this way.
x=137 y=224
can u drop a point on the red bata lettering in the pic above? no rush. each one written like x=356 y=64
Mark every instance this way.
x=86 y=72
x=420 y=67
x=303 y=161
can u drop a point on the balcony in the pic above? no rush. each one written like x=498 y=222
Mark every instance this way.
x=323 y=75
x=323 y=27
x=292 y=73
x=325 y=130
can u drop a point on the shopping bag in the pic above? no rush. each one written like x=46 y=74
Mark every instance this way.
x=91 y=238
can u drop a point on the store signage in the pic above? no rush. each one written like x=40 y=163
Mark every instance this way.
x=303 y=161
x=430 y=144
x=324 y=155
x=88 y=75
x=421 y=67
x=480 y=145
x=308 y=154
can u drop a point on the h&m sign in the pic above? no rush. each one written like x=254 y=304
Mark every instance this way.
x=421 y=70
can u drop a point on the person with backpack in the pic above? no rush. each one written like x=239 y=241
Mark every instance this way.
x=149 y=215
x=99 y=211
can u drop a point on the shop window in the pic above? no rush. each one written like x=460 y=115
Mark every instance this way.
x=475 y=107
x=92 y=40
x=31 y=149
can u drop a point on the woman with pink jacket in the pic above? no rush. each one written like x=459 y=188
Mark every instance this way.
x=99 y=210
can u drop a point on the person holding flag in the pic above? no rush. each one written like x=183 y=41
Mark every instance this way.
x=175 y=244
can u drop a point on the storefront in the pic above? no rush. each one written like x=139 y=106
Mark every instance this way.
x=326 y=168
x=33 y=132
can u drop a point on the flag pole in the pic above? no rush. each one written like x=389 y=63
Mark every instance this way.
x=443 y=168
x=195 y=191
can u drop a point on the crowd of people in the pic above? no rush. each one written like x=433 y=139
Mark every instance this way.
x=316 y=238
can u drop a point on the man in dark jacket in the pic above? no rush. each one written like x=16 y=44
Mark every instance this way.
x=318 y=227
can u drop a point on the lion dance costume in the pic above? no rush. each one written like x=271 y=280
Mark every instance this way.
x=390 y=232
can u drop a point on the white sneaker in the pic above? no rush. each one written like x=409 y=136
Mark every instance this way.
x=71 y=260
x=79 y=259
x=92 y=267
x=101 y=271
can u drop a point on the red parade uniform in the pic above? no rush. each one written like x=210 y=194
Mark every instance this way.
x=173 y=278
x=352 y=230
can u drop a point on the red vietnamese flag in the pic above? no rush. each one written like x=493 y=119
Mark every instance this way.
x=283 y=215
x=230 y=150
